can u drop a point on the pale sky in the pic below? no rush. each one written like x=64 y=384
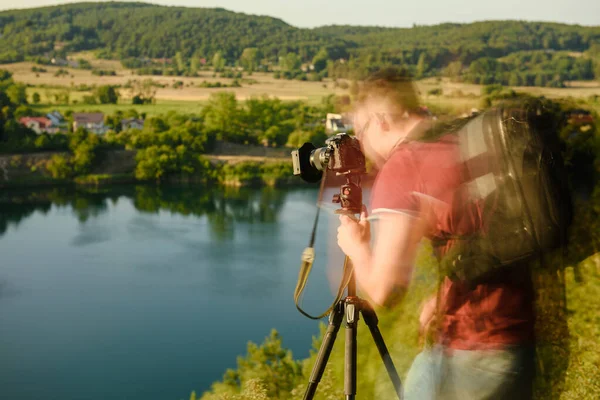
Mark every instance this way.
x=402 y=13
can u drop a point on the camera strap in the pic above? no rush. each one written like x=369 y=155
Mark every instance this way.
x=308 y=258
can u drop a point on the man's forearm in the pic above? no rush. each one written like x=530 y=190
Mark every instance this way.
x=385 y=291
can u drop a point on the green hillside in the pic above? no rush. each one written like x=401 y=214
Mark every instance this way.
x=137 y=32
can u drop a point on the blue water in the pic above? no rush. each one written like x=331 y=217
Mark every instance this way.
x=146 y=293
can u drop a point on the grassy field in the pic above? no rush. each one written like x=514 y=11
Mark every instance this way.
x=161 y=107
x=455 y=97
x=262 y=83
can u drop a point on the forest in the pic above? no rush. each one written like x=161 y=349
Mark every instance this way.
x=179 y=41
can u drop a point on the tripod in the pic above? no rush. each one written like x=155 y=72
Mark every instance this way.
x=349 y=310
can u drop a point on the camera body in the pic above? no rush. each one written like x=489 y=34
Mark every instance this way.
x=341 y=154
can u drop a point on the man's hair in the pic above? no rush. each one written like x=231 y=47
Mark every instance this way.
x=396 y=86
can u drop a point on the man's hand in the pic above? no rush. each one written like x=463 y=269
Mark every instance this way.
x=354 y=237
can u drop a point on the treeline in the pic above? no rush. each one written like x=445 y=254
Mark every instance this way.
x=531 y=68
x=182 y=41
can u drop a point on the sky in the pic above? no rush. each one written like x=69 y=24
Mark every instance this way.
x=399 y=13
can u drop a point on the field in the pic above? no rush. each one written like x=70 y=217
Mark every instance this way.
x=455 y=97
x=161 y=107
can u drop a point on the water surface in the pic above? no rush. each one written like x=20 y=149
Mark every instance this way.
x=140 y=292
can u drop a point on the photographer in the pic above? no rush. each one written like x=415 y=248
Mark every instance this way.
x=483 y=333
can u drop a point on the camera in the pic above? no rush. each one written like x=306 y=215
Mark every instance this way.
x=341 y=154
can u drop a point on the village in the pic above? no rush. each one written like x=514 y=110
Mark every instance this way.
x=54 y=122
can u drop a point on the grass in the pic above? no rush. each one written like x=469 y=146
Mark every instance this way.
x=161 y=107
x=457 y=96
x=265 y=83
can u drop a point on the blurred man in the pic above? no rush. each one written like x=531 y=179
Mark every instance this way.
x=483 y=333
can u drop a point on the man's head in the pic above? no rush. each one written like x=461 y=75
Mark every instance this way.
x=386 y=111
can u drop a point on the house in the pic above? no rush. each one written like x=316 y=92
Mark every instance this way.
x=58 y=121
x=92 y=122
x=132 y=123
x=38 y=124
x=338 y=123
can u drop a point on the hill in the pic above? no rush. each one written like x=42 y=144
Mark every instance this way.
x=137 y=31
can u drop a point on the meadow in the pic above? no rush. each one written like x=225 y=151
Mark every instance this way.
x=186 y=94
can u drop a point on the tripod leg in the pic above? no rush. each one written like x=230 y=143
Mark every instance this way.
x=352 y=316
x=335 y=320
x=372 y=321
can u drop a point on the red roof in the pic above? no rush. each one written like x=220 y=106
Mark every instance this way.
x=43 y=121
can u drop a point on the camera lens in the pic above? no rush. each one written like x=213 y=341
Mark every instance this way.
x=319 y=158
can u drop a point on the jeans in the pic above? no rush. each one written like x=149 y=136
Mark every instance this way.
x=471 y=374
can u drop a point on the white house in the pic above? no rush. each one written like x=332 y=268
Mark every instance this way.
x=337 y=123
x=92 y=122
x=132 y=123
x=38 y=124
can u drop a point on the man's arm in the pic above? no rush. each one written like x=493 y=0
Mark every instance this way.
x=383 y=271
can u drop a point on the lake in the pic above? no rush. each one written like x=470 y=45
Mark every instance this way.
x=141 y=292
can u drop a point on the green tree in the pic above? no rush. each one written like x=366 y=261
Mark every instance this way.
x=291 y=62
x=218 y=62
x=319 y=61
x=143 y=92
x=17 y=93
x=250 y=59
x=59 y=167
x=422 y=65
x=194 y=65
x=272 y=369
x=221 y=116
x=453 y=70
x=515 y=79
x=36 y=98
x=180 y=62
x=107 y=94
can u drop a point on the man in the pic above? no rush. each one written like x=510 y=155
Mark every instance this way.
x=484 y=333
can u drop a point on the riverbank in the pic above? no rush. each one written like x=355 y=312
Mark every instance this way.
x=228 y=165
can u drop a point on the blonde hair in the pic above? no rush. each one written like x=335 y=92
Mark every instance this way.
x=395 y=86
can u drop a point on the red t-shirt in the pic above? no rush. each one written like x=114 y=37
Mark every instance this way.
x=491 y=315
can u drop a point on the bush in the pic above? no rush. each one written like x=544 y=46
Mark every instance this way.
x=435 y=92
x=104 y=72
x=59 y=167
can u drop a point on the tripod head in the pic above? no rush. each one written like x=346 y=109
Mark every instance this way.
x=350 y=196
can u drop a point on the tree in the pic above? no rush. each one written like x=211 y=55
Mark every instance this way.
x=267 y=371
x=180 y=62
x=453 y=70
x=422 y=65
x=250 y=59
x=194 y=65
x=221 y=115
x=291 y=62
x=320 y=60
x=36 y=98
x=218 y=62
x=107 y=94
x=143 y=92
x=515 y=79
x=17 y=93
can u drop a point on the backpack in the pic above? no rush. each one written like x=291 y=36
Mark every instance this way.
x=515 y=175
